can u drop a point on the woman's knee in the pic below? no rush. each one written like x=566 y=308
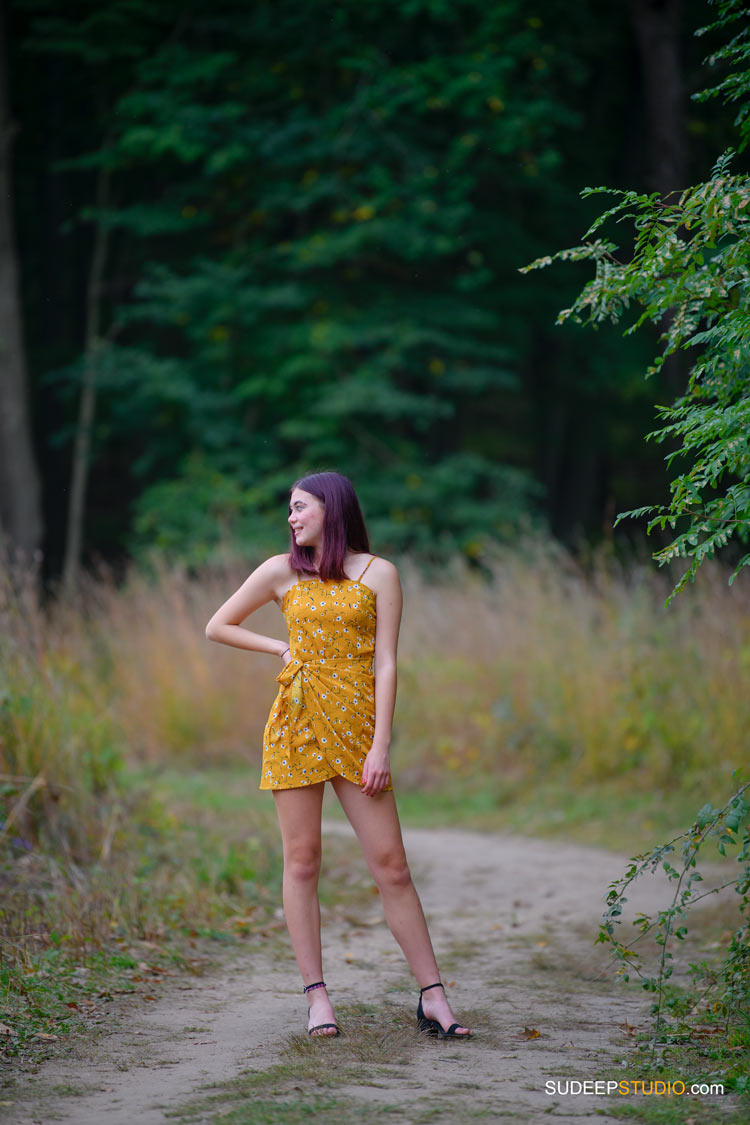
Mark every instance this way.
x=302 y=864
x=390 y=869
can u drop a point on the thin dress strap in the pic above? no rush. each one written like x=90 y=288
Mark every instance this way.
x=368 y=563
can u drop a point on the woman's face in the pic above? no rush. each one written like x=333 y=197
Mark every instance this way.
x=306 y=514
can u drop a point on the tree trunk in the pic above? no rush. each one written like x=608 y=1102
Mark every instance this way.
x=87 y=403
x=658 y=28
x=20 y=508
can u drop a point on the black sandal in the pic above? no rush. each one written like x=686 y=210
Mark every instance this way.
x=320 y=1026
x=432 y=1027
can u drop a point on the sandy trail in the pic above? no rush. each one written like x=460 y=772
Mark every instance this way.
x=512 y=922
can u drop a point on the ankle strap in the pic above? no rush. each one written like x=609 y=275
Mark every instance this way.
x=318 y=984
x=427 y=987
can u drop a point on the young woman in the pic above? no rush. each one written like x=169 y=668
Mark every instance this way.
x=331 y=721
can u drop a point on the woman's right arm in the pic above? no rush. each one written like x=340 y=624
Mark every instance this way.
x=261 y=587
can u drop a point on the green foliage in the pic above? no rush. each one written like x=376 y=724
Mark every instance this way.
x=720 y=992
x=734 y=87
x=344 y=316
x=315 y=242
x=686 y=270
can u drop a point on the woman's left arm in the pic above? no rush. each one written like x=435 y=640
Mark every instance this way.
x=389 y=600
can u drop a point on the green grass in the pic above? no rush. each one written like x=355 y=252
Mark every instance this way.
x=61 y=987
x=602 y=815
x=689 y=1067
x=377 y=1041
x=335 y=1111
x=264 y=1111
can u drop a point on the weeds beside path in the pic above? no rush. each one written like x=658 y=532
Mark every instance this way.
x=513 y=922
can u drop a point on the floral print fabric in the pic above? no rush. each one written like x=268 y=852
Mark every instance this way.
x=323 y=719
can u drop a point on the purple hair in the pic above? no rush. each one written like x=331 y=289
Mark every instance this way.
x=343 y=525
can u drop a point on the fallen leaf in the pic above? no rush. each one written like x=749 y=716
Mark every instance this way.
x=629 y=1028
x=701 y=1032
x=6 y=1030
x=529 y=1033
x=43 y=1035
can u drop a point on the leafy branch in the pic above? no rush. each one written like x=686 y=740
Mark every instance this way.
x=728 y=826
x=685 y=269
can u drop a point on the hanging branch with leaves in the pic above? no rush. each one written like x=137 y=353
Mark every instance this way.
x=727 y=827
x=685 y=268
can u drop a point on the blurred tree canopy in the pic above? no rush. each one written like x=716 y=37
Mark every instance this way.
x=262 y=238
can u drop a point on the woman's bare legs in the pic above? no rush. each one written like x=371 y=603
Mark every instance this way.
x=375 y=821
x=298 y=811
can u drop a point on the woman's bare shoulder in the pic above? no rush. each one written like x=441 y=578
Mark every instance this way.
x=383 y=566
x=279 y=564
x=273 y=571
x=382 y=574
x=278 y=570
x=275 y=574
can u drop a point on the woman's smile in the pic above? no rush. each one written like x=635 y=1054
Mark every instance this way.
x=306 y=516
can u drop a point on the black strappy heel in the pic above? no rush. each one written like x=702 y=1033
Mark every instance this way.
x=432 y=1027
x=320 y=1026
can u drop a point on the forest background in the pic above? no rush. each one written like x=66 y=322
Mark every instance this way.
x=270 y=237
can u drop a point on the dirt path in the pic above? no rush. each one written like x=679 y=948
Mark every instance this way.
x=512 y=921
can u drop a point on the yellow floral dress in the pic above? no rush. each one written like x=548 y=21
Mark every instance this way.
x=323 y=719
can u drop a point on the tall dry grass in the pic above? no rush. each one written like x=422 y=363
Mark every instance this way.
x=545 y=665
x=553 y=666
x=86 y=854
x=61 y=749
